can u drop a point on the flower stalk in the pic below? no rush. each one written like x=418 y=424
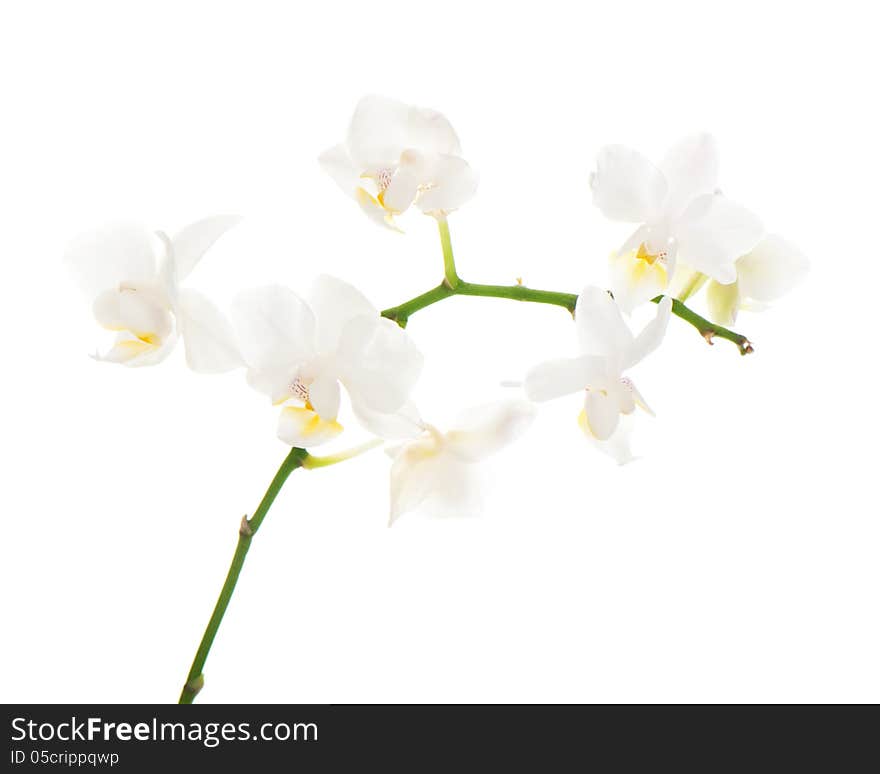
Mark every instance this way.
x=450 y=275
x=311 y=462
x=195 y=679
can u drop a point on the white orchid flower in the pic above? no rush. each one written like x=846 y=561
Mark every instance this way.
x=682 y=216
x=396 y=155
x=132 y=276
x=607 y=350
x=438 y=469
x=767 y=273
x=299 y=352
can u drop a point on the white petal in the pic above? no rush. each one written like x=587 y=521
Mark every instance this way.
x=324 y=395
x=430 y=132
x=378 y=363
x=627 y=186
x=424 y=475
x=302 y=427
x=207 y=335
x=275 y=328
x=381 y=129
x=403 y=423
x=623 y=392
x=125 y=349
x=337 y=163
x=601 y=329
x=618 y=445
x=115 y=254
x=771 y=270
x=138 y=313
x=334 y=303
x=404 y=186
x=691 y=170
x=452 y=183
x=713 y=232
x=484 y=430
x=637 y=397
x=274 y=383
x=419 y=470
x=723 y=302
x=192 y=242
x=651 y=335
x=555 y=378
x=602 y=414
x=456 y=489
x=166 y=285
x=378 y=133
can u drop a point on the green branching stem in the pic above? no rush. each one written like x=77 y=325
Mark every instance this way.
x=296 y=458
x=453 y=285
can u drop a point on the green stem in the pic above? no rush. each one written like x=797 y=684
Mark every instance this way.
x=195 y=679
x=311 y=462
x=518 y=293
x=401 y=313
x=453 y=285
x=709 y=330
x=450 y=276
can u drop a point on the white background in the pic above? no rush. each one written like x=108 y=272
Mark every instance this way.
x=737 y=560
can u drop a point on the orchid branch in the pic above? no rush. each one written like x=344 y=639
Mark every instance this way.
x=195 y=679
x=296 y=458
x=453 y=285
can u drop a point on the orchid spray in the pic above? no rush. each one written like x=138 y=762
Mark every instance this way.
x=305 y=352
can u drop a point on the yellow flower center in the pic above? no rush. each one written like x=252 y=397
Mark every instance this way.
x=643 y=255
